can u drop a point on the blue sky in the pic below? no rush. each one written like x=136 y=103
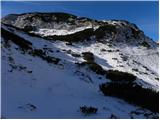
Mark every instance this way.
x=143 y=13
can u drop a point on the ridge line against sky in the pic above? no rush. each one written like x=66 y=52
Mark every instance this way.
x=81 y=0
x=145 y=16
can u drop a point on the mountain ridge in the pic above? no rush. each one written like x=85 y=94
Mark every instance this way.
x=124 y=29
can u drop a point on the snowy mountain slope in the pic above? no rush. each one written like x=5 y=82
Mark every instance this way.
x=38 y=88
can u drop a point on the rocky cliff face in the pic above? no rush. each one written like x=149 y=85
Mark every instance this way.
x=50 y=24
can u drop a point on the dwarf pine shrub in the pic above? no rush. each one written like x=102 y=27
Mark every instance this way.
x=132 y=93
x=88 y=110
x=116 y=75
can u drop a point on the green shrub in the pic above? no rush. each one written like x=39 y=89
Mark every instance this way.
x=110 y=50
x=92 y=66
x=21 y=42
x=145 y=67
x=113 y=116
x=50 y=59
x=75 y=55
x=135 y=69
x=114 y=59
x=88 y=56
x=96 y=68
x=132 y=93
x=75 y=37
x=40 y=53
x=121 y=66
x=103 y=50
x=88 y=110
x=30 y=71
x=99 y=33
x=124 y=58
x=157 y=78
x=116 y=75
x=102 y=30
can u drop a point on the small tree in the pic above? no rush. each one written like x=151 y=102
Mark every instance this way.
x=88 y=110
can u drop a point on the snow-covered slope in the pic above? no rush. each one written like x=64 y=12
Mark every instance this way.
x=42 y=80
